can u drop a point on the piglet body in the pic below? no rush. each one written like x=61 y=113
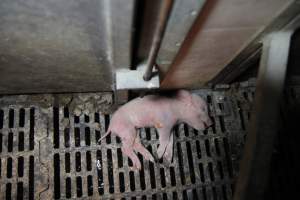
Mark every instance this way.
x=159 y=112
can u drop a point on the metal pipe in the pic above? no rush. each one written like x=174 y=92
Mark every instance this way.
x=157 y=38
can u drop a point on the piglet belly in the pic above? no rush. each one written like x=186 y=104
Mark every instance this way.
x=140 y=120
x=153 y=117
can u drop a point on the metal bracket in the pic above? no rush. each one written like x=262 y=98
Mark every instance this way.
x=128 y=79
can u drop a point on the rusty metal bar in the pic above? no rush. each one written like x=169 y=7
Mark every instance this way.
x=158 y=35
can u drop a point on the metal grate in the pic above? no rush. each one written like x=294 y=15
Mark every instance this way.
x=19 y=152
x=202 y=166
x=64 y=161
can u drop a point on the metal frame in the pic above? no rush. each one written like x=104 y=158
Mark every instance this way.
x=262 y=128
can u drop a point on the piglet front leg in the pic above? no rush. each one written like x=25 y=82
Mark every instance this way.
x=128 y=151
x=168 y=155
x=139 y=148
x=164 y=138
x=131 y=146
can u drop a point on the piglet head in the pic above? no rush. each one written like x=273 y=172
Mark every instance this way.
x=194 y=110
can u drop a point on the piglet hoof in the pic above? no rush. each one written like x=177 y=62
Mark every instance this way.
x=164 y=162
x=160 y=151
x=150 y=158
x=135 y=167
x=167 y=163
x=168 y=157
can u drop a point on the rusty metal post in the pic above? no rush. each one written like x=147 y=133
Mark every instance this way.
x=158 y=35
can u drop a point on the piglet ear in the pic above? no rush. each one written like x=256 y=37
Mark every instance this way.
x=185 y=96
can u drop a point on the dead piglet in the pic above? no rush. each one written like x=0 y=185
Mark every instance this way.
x=159 y=112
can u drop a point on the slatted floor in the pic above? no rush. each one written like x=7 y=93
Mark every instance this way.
x=54 y=154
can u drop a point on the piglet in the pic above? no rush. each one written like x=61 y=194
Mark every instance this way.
x=159 y=112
